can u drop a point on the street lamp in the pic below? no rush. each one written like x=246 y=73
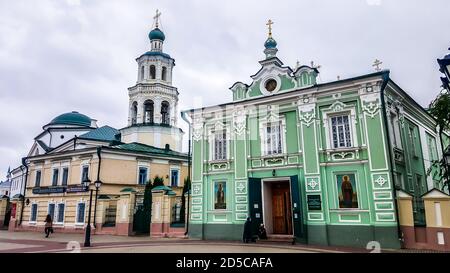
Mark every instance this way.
x=86 y=184
x=97 y=184
x=444 y=67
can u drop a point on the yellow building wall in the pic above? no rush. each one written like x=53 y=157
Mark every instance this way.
x=405 y=213
x=116 y=174
x=430 y=212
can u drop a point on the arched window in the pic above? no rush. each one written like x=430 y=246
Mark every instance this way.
x=148 y=111
x=134 y=113
x=152 y=72
x=164 y=73
x=165 y=117
x=142 y=72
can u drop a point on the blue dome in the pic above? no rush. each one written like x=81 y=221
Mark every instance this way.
x=72 y=118
x=270 y=43
x=156 y=34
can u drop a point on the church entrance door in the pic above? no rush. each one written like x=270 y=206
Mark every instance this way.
x=281 y=208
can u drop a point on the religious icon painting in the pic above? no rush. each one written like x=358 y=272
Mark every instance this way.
x=347 y=192
x=220 y=191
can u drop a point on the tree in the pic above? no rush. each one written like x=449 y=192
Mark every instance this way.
x=440 y=110
x=147 y=206
x=186 y=188
x=158 y=181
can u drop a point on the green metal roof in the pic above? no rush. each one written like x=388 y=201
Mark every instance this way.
x=156 y=34
x=72 y=118
x=161 y=188
x=128 y=190
x=105 y=133
x=142 y=148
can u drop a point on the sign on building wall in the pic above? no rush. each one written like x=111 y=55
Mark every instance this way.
x=314 y=202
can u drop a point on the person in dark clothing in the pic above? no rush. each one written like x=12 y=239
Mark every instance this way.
x=48 y=225
x=247 y=237
x=262 y=233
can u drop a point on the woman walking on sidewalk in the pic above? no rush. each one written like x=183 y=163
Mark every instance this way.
x=48 y=225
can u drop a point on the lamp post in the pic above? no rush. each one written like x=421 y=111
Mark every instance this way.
x=444 y=67
x=87 y=183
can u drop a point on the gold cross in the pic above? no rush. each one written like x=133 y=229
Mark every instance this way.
x=315 y=66
x=156 y=17
x=270 y=23
x=377 y=64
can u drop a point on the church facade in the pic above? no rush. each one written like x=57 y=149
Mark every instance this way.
x=73 y=149
x=317 y=162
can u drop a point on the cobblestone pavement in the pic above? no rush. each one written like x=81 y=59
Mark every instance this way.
x=33 y=242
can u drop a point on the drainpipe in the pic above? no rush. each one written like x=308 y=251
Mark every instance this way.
x=183 y=116
x=99 y=150
x=391 y=163
x=24 y=163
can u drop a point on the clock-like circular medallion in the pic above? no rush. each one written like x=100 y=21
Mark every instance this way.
x=270 y=85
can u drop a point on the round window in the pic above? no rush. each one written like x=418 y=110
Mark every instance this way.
x=270 y=85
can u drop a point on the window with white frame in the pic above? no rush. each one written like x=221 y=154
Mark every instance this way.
x=273 y=138
x=143 y=173
x=220 y=145
x=80 y=213
x=84 y=172
x=55 y=177
x=37 y=181
x=395 y=131
x=341 y=134
x=65 y=176
x=33 y=213
x=432 y=149
x=60 y=213
x=51 y=210
x=412 y=139
x=174 y=177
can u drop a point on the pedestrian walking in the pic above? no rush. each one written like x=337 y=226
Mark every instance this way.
x=247 y=236
x=48 y=225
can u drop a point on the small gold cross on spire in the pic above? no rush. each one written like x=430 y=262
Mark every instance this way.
x=315 y=66
x=156 y=17
x=377 y=64
x=270 y=23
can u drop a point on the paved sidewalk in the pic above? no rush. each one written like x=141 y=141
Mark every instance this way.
x=34 y=242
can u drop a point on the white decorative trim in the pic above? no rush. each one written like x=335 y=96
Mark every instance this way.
x=385 y=202
x=272 y=116
x=315 y=219
x=349 y=221
x=378 y=214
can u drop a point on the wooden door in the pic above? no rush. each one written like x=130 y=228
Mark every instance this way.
x=281 y=209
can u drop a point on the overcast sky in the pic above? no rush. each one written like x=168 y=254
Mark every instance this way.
x=58 y=56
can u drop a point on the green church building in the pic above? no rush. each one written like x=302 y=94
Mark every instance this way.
x=318 y=162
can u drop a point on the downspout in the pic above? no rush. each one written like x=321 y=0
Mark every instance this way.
x=183 y=116
x=391 y=163
x=99 y=150
x=24 y=163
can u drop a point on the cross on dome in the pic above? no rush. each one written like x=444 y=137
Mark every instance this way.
x=270 y=23
x=156 y=17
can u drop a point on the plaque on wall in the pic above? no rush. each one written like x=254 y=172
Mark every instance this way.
x=48 y=190
x=314 y=202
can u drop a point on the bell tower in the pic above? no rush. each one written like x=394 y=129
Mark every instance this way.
x=153 y=100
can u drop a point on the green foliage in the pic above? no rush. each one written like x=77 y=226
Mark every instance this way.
x=158 y=181
x=440 y=110
x=186 y=188
x=187 y=185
